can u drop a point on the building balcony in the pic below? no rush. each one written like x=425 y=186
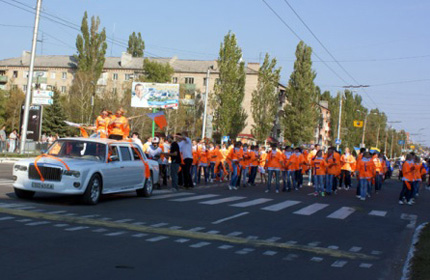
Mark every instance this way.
x=40 y=80
x=3 y=79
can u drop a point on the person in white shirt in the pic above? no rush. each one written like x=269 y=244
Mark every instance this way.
x=139 y=97
x=186 y=150
x=154 y=151
x=135 y=139
x=13 y=136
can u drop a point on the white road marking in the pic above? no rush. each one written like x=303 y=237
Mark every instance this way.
x=57 y=212
x=223 y=200
x=170 y=195
x=339 y=264
x=252 y=202
x=252 y=237
x=76 y=228
x=157 y=238
x=123 y=221
x=100 y=230
x=197 y=197
x=291 y=257
x=281 y=206
x=196 y=229
x=366 y=265
x=139 y=223
x=333 y=247
x=374 y=252
x=25 y=208
x=159 y=225
x=24 y=220
x=90 y=216
x=378 y=213
x=175 y=227
x=70 y=214
x=38 y=223
x=235 y=233
x=355 y=249
x=311 y=209
x=225 y=247
x=291 y=242
x=317 y=259
x=341 y=213
x=230 y=218
x=61 y=225
x=270 y=253
x=273 y=239
x=105 y=219
x=245 y=251
x=213 y=232
x=38 y=210
x=314 y=244
x=138 y=235
x=10 y=205
x=200 y=244
x=182 y=240
x=117 y=233
x=409 y=217
x=6 y=218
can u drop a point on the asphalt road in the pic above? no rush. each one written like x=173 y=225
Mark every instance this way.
x=207 y=233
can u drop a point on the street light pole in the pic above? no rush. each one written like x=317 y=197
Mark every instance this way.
x=206 y=102
x=30 y=79
x=377 y=136
x=364 y=131
x=340 y=120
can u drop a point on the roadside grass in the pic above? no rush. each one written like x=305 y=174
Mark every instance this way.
x=420 y=269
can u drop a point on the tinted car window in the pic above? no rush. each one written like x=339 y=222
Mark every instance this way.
x=125 y=153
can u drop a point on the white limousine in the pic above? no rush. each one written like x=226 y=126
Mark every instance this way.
x=88 y=167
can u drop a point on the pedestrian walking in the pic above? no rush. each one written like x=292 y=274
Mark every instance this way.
x=319 y=167
x=408 y=175
x=3 y=139
x=13 y=136
x=175 y=161
x=185 y=146
x=274 y=164
x=234 y=156
x=347 y=162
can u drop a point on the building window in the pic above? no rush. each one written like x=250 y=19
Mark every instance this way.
x=204 y=81
x=128 y=77
x=114 y=90
x=175 y=80
x=64 y=75
x=15 y=74
x=189 y=80
x=115 y=76
x=63 y=89
x=24 y=88
x=52 y=75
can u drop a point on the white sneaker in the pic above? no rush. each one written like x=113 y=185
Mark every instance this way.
x=357 y=196
x=410 y=203
x=266 y=191
x=230 y=187
x=362 y=198
x=235 y=188
x=401 y=202
x=277 y=191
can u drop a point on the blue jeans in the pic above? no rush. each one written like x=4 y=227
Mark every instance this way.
x=415 y=188
x=212 y=170
x=194 y=173
x=319 y=183
x=269 y=181
x=199 y=173
x=329 y=182
x=174 y=168
x=234 y=174
x=288 y=179
x=243 y=174
x=364 y=187
x=378 y=182
x=253 y=174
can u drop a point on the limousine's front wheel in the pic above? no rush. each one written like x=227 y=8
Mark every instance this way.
x=23 y=193
x=146 y=191
x=93 y=191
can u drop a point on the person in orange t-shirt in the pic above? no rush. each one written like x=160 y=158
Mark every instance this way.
x=408 y=172
x=102 y=123
x=118 y=127
x=235 y=155
x=212 y=156
x=378 y=162
x=331 y=170
x=274 y=164
x=288 y=176
x=319 y=167
x=203 y=162
x=262 y=162
x=347 y=162
x=417 y=179
x=253 y=164
x=244 y=166
x=366 y=171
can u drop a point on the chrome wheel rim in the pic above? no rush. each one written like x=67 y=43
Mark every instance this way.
x=149 y=185
x=95 y=189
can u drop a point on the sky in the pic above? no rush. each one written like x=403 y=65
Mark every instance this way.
x=383 y=43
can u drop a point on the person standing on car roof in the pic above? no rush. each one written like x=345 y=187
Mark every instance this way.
x=118 y=126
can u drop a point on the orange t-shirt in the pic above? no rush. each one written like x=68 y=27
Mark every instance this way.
x=331 y=165
x=274 y=160
x=102 y=126
x=365 y=169
x=319 y=165
x=408 y=170
x=253 y=158
x=119 y=126
x=235 y=154
x=347 y=162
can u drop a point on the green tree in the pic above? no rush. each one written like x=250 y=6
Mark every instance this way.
x=264 y=102
x=136 y=45
x=91 y=47
x=13 y=108
x=54 y=117
x=300 y=113
x=229 y=114
x=156 y=72
x=3 y=102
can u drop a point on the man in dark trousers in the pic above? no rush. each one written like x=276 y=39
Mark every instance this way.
x=186 y=148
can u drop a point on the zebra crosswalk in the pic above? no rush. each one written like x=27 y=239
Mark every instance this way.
x=300 y=208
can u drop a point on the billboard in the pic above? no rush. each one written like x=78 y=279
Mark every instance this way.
x=153 y=95
x=34 y=122
x=42 y=97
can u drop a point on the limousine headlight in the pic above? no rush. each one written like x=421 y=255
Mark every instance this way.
x=18 y=167
x=72 y=173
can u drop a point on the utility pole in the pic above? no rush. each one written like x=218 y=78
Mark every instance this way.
x=385 y=145
x=377 y=136
x=340 y=120
x=364 y=131
x=206 y=102
x=392 y=144
x=30 y=79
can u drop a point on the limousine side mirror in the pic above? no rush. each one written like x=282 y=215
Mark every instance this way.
x=113 y=158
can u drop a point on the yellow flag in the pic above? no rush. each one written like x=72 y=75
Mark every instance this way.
x=358 y=123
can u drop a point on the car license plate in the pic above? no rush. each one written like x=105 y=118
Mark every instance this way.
x=38 y=185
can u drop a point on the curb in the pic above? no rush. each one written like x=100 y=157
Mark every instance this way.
x=9 y=160
x=407 y=266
